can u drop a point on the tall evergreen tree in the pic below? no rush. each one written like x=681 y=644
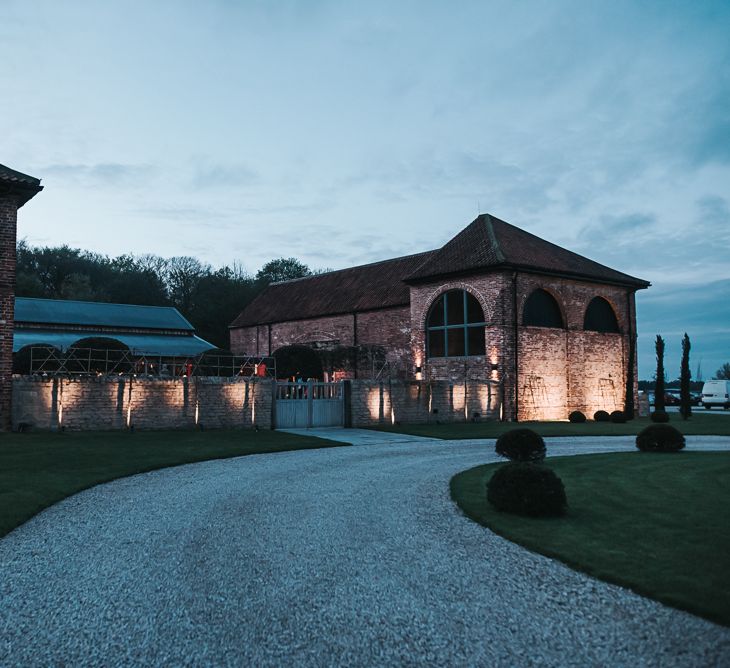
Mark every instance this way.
x=659 y=387
x=685 y=375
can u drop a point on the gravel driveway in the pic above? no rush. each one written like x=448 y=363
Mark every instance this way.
x=343 y=556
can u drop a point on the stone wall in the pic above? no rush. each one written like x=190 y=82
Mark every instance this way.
x=87 y=403
x=411 y=402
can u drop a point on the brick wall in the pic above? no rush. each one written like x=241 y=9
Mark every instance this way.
x=389 y=328
x=411 y=402
x=558 y=370
x=8 y=224
x=546 y=373
x=87 y=403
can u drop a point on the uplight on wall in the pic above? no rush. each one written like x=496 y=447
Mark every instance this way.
x=419 y=373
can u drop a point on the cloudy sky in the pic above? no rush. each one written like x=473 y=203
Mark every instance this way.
x=347 y=132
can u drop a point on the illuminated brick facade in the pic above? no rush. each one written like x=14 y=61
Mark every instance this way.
x=543 y=372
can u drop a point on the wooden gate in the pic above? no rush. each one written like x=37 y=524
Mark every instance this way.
x=311 y=404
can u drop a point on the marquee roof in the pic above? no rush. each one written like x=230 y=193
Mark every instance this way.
x=141 y=344
x=151 y=330
x=101 y=314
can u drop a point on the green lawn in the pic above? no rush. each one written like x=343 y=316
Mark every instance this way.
x=656 y=523
x=39 y=469
x=700 y=424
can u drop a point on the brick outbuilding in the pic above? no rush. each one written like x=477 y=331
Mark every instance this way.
x=555 y=329
x=16 y=189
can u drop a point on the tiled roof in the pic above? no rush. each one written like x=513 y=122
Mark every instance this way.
x=8 y=175
x=488 y=243
x=21 y=186
x=98 y=314
x=363 y=288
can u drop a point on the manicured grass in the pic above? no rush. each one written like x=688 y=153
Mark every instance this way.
x=700 y=424
x=39 y=469
x=656 y=523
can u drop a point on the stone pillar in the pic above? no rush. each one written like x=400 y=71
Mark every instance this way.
x=15 y=190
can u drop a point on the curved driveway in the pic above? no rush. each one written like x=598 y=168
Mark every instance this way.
x=343 y=556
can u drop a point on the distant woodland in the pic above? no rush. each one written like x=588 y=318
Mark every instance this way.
x=209 y=298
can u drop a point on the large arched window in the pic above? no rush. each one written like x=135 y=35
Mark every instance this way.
x=455 y=326
x=600 y=317
x=541 y=310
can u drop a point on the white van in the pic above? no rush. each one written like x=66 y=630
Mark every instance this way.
x=716 y=393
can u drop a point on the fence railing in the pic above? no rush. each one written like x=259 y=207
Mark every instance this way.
x=49 y=361
x=304 y=390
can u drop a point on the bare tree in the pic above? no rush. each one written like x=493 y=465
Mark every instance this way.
x=723 y=373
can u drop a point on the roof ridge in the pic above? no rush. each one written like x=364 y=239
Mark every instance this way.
x=88 y=301
x=358 y=266
x=493 y=237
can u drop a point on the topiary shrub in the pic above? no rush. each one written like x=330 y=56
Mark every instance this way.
x=660 y=416
x=577 y=416
x=527 y=489
x=618 y=417
x=601 y=416
x=521 y=445
x=660 y=438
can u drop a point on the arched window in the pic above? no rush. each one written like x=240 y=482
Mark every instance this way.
x=541 y=310
x=455 y=326
x=600 y=317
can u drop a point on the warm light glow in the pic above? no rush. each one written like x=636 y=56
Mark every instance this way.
x=60 y=402
x=197 y=411
x=129 y=405
x=392 y=415
x=253 y=405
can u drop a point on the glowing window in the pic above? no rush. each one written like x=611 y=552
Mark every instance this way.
x=455 y=326
x=541 y=310
x=600 y=317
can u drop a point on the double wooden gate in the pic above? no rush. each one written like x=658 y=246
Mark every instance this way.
x=310 y=404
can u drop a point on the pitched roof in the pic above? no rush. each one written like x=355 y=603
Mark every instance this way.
x=98 y=314
x=19 y=185
x=363 y=288
x=488 y=243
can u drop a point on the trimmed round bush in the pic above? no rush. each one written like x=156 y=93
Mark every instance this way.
x=660 y=438
x=521 y=445
x=601 y=416
x=660 y=416
x=618 y=417
x=577 y=416
x=527 y=489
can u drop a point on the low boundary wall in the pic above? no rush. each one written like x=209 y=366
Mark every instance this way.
x=86 y=403
x=108 y=403
x=411 y=402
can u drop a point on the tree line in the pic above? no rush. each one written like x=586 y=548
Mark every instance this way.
x=210 y=298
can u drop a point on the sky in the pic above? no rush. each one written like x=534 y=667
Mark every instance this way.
x=344 y=132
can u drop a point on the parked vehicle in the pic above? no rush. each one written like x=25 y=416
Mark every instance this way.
x=716 y=393
x=671 y=398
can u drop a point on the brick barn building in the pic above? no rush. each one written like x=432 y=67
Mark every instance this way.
x=555 y=329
